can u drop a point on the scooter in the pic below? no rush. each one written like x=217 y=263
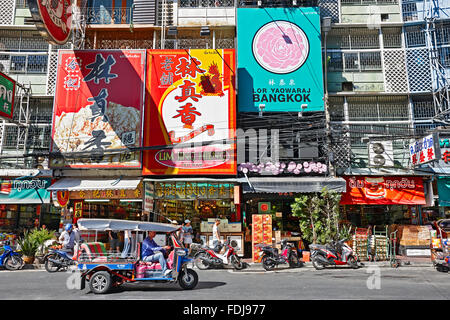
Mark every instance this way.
x=56 y=260
x=207 y=258
x=335 y=253
x=271 y=258
x=10 y=259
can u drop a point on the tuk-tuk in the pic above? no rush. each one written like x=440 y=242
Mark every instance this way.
x=104 y=270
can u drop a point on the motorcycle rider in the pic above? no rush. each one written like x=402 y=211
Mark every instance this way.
x=68 y=238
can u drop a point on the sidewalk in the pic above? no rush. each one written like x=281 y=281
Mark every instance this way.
x=404 y=262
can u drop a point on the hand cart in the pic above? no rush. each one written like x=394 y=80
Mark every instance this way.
x=361 y=243
x=394 y=262
x=380 y=243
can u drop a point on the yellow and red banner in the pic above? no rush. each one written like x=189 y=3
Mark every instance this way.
x=190 y=115
x=384 y=190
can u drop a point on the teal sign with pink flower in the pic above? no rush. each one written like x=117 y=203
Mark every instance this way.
x=279 y=60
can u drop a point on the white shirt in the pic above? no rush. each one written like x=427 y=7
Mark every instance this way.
x=68 y=240
x=215 y=233
x=127 y=234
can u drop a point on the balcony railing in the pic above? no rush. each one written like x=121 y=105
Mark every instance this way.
x=206 y=3
x=105 y=15
x=29 y=63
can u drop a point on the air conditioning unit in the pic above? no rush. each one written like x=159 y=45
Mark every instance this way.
x=381 y=154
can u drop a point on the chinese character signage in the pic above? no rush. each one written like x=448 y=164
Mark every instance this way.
x=108 y=194
x=98 y=107
x=190 y=107
x=279 y=59
x=193 y=190
x=384 y=190
x=53 y=18
x=423 y=151
x=7 y=93
x=444 y=143
x=261 y=233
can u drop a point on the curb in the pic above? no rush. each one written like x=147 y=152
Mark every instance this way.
x=33 y=266
x=383 y=264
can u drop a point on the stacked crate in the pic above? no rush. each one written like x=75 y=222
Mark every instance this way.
x=361 y=243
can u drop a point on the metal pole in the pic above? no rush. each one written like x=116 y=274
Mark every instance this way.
x=327 y=113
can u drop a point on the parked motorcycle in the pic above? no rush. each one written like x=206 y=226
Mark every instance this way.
x=333 y=254
x=271 y=258
x=10 y=259
x=207 y=258
x=56 y=260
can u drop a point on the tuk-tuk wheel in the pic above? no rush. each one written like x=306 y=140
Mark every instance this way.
x=100 y=282
x=188 y=279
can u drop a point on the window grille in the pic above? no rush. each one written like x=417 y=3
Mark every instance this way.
x=392 y=37
x=329 y=8
x=21 y=4
x=367 y=2
x=354 y=61
x=395 y=76
x=423 y=129
x=24 y=63
x=409 y=11
x=391 y=108
x=351 y=62
x=335 y=63
x=419 y=71
x=336 y=108
x=444 y=56
x=354 y=38
x=415 y=36
x=11 y=133
x=23 y=40
x=7 y=12
x=443 y=34
x=423 y=107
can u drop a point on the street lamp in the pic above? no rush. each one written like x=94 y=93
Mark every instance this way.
x=326 y=27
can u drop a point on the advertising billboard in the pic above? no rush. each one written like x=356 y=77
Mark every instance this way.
x=97 y=110
x=53 y=18
x=384 y=190
x=190 y=115
x=279 y=60
x=7 y=94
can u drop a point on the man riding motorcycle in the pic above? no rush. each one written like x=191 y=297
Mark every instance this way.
x=68 y=238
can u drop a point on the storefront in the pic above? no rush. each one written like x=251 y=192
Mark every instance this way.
x=201 y=201
x=25 y=204
x=267 y=207
x=378 y=206
x=383 y=200
x=101 y=198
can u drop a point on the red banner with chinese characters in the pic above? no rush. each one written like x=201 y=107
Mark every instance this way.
x=384 y=190
x=190 y=107
x=98 y=108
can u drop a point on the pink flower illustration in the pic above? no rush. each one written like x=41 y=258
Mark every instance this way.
x=281 y=47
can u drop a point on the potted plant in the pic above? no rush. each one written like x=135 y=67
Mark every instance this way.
x=41 y=236
x=28 y=247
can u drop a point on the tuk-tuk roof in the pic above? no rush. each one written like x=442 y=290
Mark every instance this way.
x=121 y=225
